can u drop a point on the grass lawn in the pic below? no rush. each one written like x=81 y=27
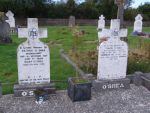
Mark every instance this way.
x=58 y=37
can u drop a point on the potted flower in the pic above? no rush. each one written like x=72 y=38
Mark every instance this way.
x=41 y=95
x=79 y=89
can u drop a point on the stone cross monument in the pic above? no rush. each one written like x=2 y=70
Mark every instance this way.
x=33 y=58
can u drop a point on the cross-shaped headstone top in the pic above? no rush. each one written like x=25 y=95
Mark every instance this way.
x=114 y=29
x=11 y=19
x=9 y=14
x=33 y=55
x=32 y=32
x=139 y=17
x=101 y=17
x=101 y=22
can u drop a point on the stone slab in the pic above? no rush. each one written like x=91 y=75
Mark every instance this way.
x=102 y=85
x=146 y=80
x=27 y=90
x=134 y=100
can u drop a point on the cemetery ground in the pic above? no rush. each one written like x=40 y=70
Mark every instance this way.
x=62 y=37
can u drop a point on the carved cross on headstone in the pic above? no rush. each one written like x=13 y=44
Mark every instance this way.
x=115 y=26
x=101 y=22
x=32 y=32
x=33 y=56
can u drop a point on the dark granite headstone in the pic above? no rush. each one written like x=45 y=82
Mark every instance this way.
x=146 y=80
x=28 y=89
x=5 y=31
x=102 y=85
x=137 y=80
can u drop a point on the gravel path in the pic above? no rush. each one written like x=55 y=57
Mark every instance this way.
x=134 y=100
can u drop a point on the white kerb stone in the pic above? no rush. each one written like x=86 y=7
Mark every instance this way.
x=33 y=56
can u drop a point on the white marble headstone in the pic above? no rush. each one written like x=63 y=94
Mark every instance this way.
x=11 y=19
x=33 y=56
x=138 y=23
x=115 y=24
x=101 y=22
x=112 y=58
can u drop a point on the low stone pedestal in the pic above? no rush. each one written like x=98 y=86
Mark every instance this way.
x=146 y=80
x=28 y=89
x=101 y=85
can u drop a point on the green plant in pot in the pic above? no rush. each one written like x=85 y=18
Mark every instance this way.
x=79 y=88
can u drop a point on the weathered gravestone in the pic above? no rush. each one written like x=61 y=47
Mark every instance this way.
x=11 y=19
x=115 y=25
x=4 y=31
x=138 y=23
x=72 y=21
x=101 y=25
x=101 y=22
x=112 y=64
x=33 y=61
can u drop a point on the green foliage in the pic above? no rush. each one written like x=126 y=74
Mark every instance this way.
x=145 y=10
x=90 y=9
x=130 y=14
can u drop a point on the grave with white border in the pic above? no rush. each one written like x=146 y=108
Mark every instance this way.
x=112 y=63
x=101 y=22
x=138 y=23
x=33 y=59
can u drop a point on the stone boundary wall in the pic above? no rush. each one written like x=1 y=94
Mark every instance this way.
x=64 y=22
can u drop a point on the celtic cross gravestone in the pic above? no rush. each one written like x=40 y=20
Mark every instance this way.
x=33 y=60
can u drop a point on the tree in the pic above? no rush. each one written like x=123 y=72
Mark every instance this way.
x=145 y=10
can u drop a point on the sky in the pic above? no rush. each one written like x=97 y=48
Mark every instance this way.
x=139 y=2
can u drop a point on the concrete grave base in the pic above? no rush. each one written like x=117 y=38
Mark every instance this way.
x=27 y=90
x=146 y=80
x=102 y=85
